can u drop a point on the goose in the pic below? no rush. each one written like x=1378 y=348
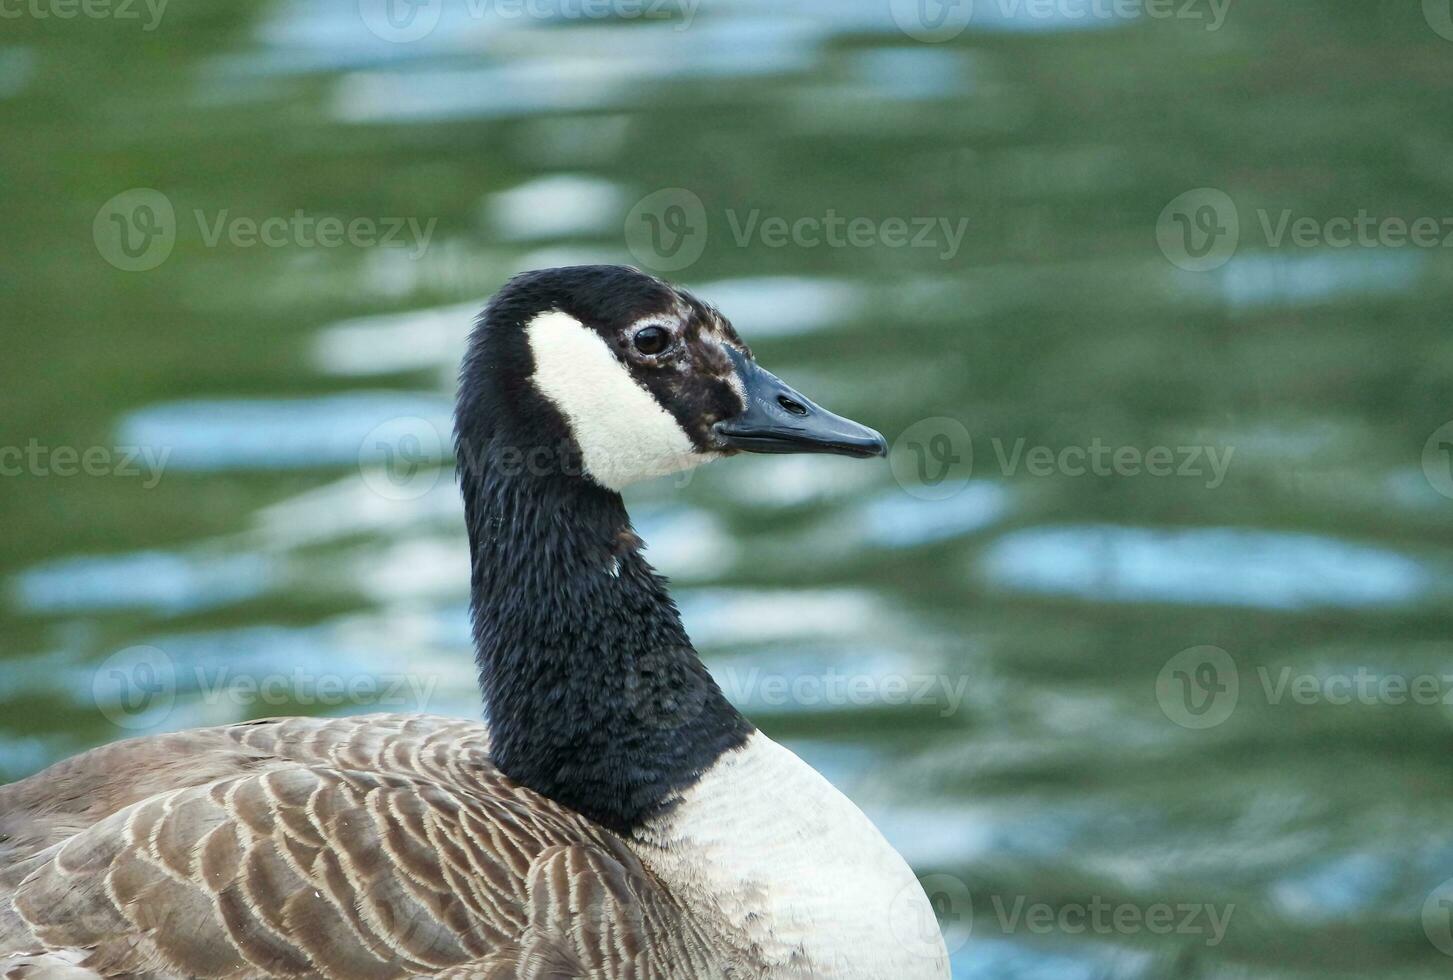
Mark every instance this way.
x=615 y=818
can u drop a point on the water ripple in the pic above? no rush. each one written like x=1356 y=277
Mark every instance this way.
x=1212 y=566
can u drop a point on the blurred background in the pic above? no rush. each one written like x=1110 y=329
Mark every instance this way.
x=1138 y=650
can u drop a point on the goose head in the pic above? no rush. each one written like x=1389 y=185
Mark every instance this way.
x=612 y=375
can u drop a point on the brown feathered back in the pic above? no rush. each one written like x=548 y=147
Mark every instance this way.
x=378 y=846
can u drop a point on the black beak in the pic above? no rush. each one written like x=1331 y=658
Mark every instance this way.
x=780 y=420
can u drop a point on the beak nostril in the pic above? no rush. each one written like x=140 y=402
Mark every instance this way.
x=795 y=407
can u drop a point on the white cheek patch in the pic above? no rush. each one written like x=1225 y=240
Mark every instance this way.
x=624 y=434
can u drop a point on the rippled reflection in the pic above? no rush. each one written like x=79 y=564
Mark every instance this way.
x=984 y=657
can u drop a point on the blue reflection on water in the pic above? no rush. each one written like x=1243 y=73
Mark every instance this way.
x=557 y=206
x=434 y=338
x=1341 y=888
x=1007 y=959
x=895 y=520
x=575 y=69
x=766 y=306
x=911 y=73
x=735 y=616
x=387 y=343
x=21 y=755
x=1215 y=566
x=825 y=680
x=1263 y=279
x=17 y=68
x=164 y=583
x=273 y=434
x=582 y=62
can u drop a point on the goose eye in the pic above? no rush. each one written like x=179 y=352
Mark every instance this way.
x=652 y=340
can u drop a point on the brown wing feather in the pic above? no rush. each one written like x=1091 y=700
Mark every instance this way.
x=590 y=918
x=375 y=847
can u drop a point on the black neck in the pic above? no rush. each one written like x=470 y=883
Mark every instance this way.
x=594 y=694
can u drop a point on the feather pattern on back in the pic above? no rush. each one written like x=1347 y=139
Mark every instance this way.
x=370 y=847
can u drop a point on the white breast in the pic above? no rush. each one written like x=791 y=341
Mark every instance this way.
x=766 y=846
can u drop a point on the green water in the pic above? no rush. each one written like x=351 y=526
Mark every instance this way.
x=1139 y=647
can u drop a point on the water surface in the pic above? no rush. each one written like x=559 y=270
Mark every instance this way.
x=1007 y=663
